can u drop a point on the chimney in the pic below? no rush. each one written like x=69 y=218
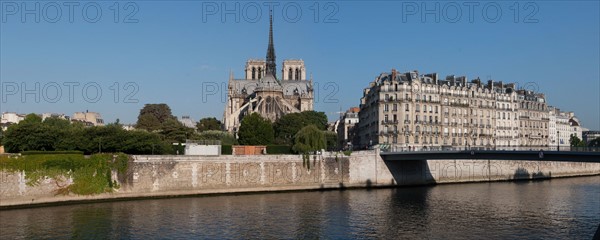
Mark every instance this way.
x=393 y=74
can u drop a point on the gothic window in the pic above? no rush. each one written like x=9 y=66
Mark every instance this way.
x=290 y=74
x=253 y=73
x=269 y=105
x=259 y=73
x=297 y=74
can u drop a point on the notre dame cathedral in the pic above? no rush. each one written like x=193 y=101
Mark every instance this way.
x=262 y=92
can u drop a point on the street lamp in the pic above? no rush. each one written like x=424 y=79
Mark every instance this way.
x=557 y=141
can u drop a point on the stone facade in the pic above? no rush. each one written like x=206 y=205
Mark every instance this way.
x=562 y=126
x=345 y=128
x=261 y=91
x=409 y=111
x=88 y=118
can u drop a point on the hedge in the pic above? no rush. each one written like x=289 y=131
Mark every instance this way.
x=50 y=152
x=279 y=149
x=226 y=150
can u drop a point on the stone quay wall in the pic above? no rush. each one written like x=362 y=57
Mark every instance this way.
x=164 y=176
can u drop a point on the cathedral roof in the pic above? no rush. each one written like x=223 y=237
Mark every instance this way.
x=268 y=83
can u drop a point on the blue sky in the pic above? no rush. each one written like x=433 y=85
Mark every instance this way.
x=181 y=52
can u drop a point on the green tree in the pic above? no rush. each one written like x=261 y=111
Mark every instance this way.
x=309 y=139
x=206 y=124
x=576 y=141
x=331 y=138
x=174 y=131
x=223 y=136
x=29 y=134
x=153 y=116
x=287 y=126
x=255 y=130
x=32 y=118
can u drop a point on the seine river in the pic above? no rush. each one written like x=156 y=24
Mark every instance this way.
x=552 y=209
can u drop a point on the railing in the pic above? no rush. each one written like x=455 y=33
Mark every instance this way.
x=494 y=148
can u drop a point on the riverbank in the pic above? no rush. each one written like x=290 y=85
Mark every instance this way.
x=167 y=176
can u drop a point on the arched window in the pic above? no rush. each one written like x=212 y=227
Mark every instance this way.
x=253 y=73
x=290 y=74
x=297 y=74
x=259 y=73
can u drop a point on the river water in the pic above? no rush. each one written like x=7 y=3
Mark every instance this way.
x=553 y=209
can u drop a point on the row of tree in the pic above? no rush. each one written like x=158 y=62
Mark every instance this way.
x=305 y=131
x=254 y=129
x=54 y=134
x=157 y=129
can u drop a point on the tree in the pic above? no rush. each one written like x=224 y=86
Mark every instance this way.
x=153 y=116
x=29 y=134
x=206 y=124
x=255 y=130
x=309 y=139
x=576 y=142
x=32 y=118
x=223 y=136
x=174 y=131
x=331 y=138
x=287 y=126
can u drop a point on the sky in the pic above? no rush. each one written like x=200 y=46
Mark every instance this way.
x=113 y=57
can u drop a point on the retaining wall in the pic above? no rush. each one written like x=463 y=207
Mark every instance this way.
x=158 y=176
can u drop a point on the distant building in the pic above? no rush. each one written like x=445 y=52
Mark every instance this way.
x=9 y=118
x=346 y=128
x=88 y=118
x=333 y=126
x=128 y=127
x=187 y=121
x=561 y=126
x=55 y=115
x=588 y=136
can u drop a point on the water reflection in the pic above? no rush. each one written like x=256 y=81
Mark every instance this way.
x=558 y=208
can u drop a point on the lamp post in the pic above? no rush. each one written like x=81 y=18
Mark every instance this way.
x=557 y=141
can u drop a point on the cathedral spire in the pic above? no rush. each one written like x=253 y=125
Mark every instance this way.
x=271 y=49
